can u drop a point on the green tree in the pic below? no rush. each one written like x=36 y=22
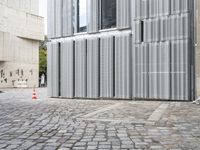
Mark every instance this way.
x=43 y=62
x=43 y=57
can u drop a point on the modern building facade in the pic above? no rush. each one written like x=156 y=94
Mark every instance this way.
x=123 y=49
x=21 y=30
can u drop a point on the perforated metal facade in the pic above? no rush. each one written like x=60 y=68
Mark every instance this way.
x=149 y=55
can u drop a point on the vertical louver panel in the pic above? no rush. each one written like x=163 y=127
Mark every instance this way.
x=80 y=68
x=55 y=70
x=137 y=31
x=186 y=27
x=58 y=18
x=151 y=30
x=185 y=60
x=49 y=69
x=144 y=9
x=123 y=14
x=136 y=9
x=173 y=26
x=175 y=6
x=153 y=8
x=67 y=17
x=122 y=66
x=164 y=7
x=107 y=67
x=51 y=18
x=155 y=30
x=67 y=69
x=139 y=9
x=164 y=71
x=164 y=28
x=179 y=70
x=93 y=67
x=140 y=70
x=93 y=15
x=153 y=70
x=185 y=5
x=179 y=26
x=147 y=31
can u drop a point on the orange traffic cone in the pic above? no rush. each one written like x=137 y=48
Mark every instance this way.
x=34 y=95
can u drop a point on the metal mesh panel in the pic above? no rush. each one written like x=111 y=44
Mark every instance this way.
x=67 y=14
x=55 y=70
x=51 y=17
x=164 y=70
x=164 y=7
x=122 y=66
x=80 y=68
x=164 y=28
x=153 y=70
x=49 y=69
x=93 y=15
x=140 y=9
x=58 y=18
x=107 y=67
x=137 y=31
x=175 y=6
x=93 y=65
x=179 y=70
x=123 y=14
x=140 y=70
x=67 y=69
x=153 y=8
x=136 y=8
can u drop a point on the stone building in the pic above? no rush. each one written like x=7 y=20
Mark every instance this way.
x=21 y=30
x=123 y=49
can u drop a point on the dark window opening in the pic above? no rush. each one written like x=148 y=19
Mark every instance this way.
x=142 y=31
x=108 y=14
x=59 y=69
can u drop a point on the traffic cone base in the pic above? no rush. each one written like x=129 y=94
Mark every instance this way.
x=34 y=95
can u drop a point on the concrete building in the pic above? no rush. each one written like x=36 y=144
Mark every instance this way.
x=21 y=29
x=123 y=49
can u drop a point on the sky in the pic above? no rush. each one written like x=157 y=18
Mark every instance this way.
x=43 y=12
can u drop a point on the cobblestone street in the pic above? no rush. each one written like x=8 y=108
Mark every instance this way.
x=93 y=124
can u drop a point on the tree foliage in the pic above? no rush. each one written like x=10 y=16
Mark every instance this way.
x=43 y=62
x=43 y=57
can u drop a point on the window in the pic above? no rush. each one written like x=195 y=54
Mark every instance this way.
x=108 y=14
x=81 y=16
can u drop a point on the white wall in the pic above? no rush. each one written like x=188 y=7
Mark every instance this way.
x=21 y=29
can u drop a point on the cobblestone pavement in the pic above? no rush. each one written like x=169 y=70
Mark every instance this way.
x=90 y=124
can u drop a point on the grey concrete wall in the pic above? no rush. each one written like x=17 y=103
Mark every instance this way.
x=21 y=29
x=30 y=6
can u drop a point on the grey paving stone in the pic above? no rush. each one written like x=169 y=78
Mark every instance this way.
x=95 y=124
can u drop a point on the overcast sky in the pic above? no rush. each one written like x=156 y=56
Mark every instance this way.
x=43 y=12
